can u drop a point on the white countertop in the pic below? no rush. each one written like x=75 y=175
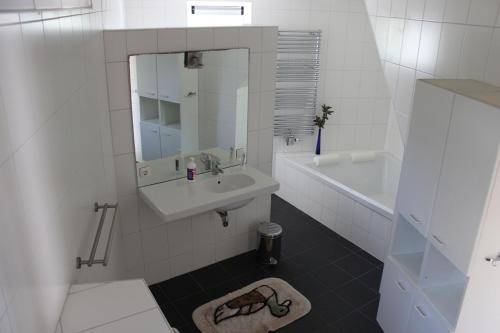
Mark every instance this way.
x=178 y=199
x=113 y=307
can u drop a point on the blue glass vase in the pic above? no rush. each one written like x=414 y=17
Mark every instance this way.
x=318 y=143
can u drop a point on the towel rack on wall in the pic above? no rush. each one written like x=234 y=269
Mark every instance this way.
x=91 y=261
x=297 y=80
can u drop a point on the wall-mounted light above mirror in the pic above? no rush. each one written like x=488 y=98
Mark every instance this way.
x=185 y=105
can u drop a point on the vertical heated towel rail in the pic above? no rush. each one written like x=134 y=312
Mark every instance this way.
x=297 y=79
x=92 y=260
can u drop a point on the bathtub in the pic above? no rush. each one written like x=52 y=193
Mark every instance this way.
x=354 y=199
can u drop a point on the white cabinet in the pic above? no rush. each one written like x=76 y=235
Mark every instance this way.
x=150 y=141
x=146 y=76
x=168 y=77
x=170 y=141
x=450 y=181
x=424 y=319
x=467 y=171
x=423 y=154
x=395 y=299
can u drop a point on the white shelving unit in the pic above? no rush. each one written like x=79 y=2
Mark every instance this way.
x=447 y=212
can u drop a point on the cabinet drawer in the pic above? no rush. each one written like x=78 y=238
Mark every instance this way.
x=423 y=318
x=395 y=300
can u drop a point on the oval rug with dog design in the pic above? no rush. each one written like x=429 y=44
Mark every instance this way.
x=263 y=306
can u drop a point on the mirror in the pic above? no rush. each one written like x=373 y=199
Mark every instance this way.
x=185 y=105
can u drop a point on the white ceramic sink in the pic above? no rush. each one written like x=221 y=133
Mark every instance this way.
x=234 y=189
x=227 y=183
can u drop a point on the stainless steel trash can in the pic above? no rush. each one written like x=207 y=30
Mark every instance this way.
x=270 y=243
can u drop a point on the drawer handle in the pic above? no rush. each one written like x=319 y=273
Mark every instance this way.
x=401 y=286
x=415 y=219
x=437 y=239
x=420 y=311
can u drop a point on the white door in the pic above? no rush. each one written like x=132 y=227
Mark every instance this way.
x=467 y=171
x=146 y=75
x=170 y=142
x=424 y=319
x=395 y=299
x=189 y=108
x=424 y=153
x=168 y=77
x=481 y=306
x=150 y=140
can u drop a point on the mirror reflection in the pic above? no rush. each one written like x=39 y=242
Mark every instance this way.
x=189 y=104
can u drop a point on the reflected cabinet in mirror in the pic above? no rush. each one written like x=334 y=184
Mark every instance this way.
x=189 y=104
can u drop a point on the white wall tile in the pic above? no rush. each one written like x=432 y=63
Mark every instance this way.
x=118 y=85
x=133 y=251
x=429 y=46
x=125 y=174
x=200 y=38
x=155 y=244
x=157 y=271
x=405 y=90
x=121 y=131
x=450 y=49
x=415 y=9
x=411 y=43
x=434 y=10
x=203 y=229
x=457 y=11
x=170 y=40
x=181 y=264
x=483 y=12
x=475 y=52
x=115 y=43
x=398 y=8
x=142 y=41
x=180 y=237
x=493 y=66
x=226 y=37
x=129 y=214
x=252 y=38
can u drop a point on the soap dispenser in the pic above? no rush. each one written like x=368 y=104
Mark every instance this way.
x=191 y=170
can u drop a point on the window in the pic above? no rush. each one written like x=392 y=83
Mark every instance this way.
x=218 y=13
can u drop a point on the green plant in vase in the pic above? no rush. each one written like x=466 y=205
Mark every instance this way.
x=320 y=121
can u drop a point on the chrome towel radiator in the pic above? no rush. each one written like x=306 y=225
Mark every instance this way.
x=297 y=80
x=91 y=261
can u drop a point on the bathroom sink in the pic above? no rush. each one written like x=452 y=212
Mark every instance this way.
x=228 y=183
x=234 y=189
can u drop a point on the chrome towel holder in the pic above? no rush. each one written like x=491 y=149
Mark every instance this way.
x=91 y=261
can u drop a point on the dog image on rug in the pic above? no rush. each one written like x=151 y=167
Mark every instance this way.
x=260 y=307
x=251 y=302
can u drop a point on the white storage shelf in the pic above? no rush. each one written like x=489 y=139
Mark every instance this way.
x=408 y=247
x=447 y=300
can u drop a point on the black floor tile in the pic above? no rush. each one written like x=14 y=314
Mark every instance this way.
x=331 y=308
x=370 y=310
x=357 y=323
x=356 y=294
x=332 y=276
x=180 y=287
x=368 y=257
x=372 y=279
x=309 y=286
x=242 y=264
x=187 y=305
x=158 y=293
x=311 y=259
x=210 y=276
x=354 y=265
x=340 y=280
x=173 y=317
x=311 y=323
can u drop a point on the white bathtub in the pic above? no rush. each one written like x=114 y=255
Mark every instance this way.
x=356 y=200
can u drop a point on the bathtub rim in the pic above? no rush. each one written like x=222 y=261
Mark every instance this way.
x=338 y=186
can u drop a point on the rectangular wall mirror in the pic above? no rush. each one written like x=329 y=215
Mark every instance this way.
x=189 y=104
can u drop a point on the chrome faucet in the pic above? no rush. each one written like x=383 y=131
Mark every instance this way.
x=211 y=163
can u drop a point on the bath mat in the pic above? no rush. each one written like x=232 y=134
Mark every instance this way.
x=263 y=306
